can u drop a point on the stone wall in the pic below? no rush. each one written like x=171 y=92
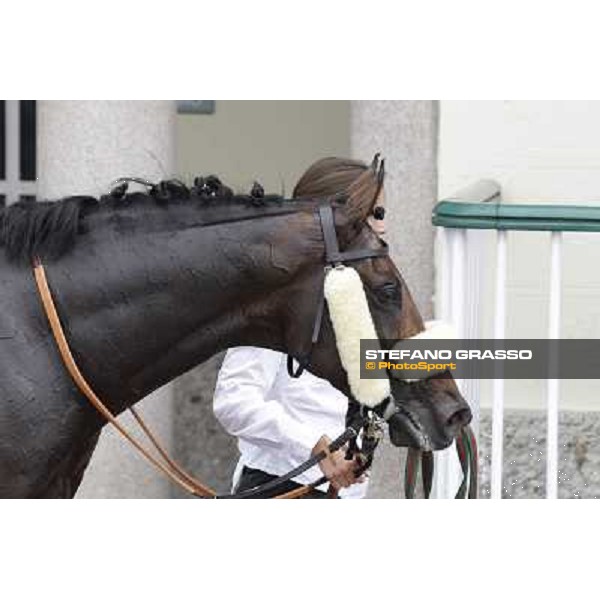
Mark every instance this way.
x=200 y=443
x=524 y=459
x=83 y=146
x=405 y=132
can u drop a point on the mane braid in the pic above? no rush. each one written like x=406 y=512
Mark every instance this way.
x=49 y=230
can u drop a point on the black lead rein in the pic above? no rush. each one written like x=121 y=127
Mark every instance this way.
x=350 y=434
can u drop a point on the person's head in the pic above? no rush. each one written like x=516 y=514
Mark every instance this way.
x=333 y=176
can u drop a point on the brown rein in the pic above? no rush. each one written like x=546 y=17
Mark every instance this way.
x=167 y=465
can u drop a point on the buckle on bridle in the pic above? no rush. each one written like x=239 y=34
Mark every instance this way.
x=374 y=428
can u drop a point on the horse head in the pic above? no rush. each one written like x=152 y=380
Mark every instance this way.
x=427 y=414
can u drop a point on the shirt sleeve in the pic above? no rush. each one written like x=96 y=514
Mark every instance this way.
x=241 y=406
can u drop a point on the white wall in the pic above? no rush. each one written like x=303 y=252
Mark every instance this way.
x=539 y=151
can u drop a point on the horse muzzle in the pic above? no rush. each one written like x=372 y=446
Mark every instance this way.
x=427 y=416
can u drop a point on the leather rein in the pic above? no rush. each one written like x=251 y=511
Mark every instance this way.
x=369 y=424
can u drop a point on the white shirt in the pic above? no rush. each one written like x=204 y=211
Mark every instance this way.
x=277 y=419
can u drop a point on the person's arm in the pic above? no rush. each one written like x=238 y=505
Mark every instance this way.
x=240 y=404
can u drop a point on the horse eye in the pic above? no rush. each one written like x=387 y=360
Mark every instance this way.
x=390 y=291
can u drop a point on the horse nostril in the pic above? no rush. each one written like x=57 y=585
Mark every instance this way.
x=460 y=418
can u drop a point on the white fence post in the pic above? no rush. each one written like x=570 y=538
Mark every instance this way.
x=553 y=384
x=447 y=470
x=461 y=220
x=475 y=282
x=498 y=397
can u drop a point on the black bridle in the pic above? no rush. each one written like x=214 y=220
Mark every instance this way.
x=357 y=419
x=333 y=258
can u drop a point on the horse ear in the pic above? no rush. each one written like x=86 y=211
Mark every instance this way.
x=363 y=193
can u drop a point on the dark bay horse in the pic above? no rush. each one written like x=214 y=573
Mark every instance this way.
x=150 y=284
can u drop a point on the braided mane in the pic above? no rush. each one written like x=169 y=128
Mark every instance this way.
x=49 y=229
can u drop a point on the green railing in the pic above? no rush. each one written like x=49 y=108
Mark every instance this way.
x=480 y=206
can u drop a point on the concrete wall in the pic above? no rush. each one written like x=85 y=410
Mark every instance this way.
x=405 y=132
x=82 y=147
x=525 y=454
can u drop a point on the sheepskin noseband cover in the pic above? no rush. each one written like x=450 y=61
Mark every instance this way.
x=351 y=319
x=436 y=330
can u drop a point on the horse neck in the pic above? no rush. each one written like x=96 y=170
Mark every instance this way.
x=143 y=308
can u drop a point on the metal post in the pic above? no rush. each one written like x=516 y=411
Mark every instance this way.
x=12 y=187
x=12 y=151
x=475 y=283
x=553 y=384
x=447 y=470
x=498 y=398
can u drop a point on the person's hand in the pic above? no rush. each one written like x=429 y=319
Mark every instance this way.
x=338 y=470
